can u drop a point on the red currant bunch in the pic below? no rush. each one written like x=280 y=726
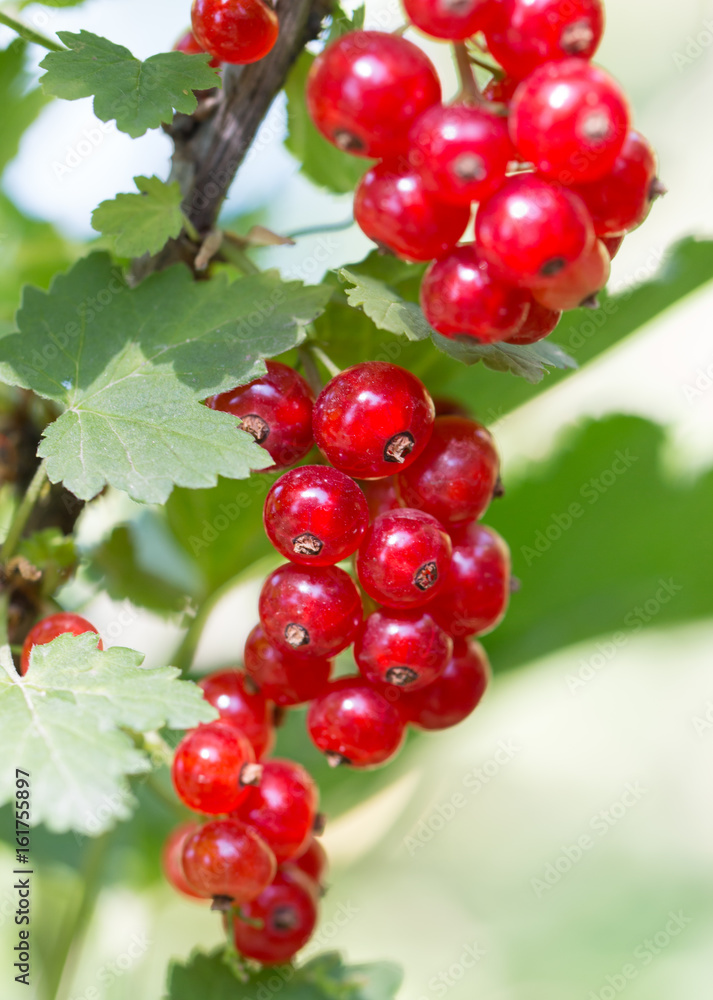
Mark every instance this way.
x=544 y=156
x=234 y=31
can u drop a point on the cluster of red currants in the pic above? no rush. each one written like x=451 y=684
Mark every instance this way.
x=432 y=577
x=546 y=150
x=231 y=31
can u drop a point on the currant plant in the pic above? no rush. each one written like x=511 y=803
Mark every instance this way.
x=152 y=372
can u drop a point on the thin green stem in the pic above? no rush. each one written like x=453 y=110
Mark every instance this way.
x=486 y=64
x=70 y=938
x=237 y=256
x=324 y=359
x=316 y=230
x=29 y=34
x=4 y=606
x=469 y=90
x=22 y=514
x=190 y=228
x=310 y=369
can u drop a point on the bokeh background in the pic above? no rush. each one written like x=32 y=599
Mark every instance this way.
x=558 y=845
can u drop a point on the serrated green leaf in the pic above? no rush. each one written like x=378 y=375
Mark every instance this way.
x=60 y=722
x=141 y=223
x=385 y=306
x=49 y=546
x=138 y=95
x=322 y=162
x=342 y=23
x=20 y=106
x=324 y=978
x=131 y=367
x=529 y=362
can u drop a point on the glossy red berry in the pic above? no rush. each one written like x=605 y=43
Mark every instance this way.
x=456 y=693
x=621 y=200
x=172 y=859
x=276 y=409
x=532 y=229
x=235 y=31
x=353 y=723
x=461 y=152
x=62 y=623
x=381 y=495
x=367 y=88
x=226 y=858
x=539 y=323
x=241 y=706
x=570 y=119
x=393 y=207
x=461 y=295
x=373 y=419
x=315 y=516
x=455 y=478
x=274 y=927
x=282 y=808
x=313 y=611
x=313 y=861
x=211 y=768
x=404 y=648
x=404 y=558
x=578 y=284
x=501 y=90
x=284 y=678
x=523 y=34
x=187 y=43
x=477 y=591
x=452 y=19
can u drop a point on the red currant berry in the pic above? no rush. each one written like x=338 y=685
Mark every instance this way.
x=532 y=229
x=314 y=611
x=274 y=927
x=315 y=516
x=540 y=323
x=456 y=693
x=462 y=296
x=455 y=477
x=461 y=153
x=62 y=623
x=381 y=496
x=367 y=88
x=523 y=34
x=312 y=861
x=477 y=591
x=172 y=859
x=500 y=90
x=187 y=43
x=452 y=19
x=570 y=119
x=211 y=768
x=282 y=808
x=353 y=723
x=578 y=284
x=404 y=648
x=621 y=200
x=372 y=418
x=226 y=858
x=276 y=409
x=235 y=31
x=404 y=558
x=394 y=209
x=282 y=677
x=241 y=706
x=613 y=244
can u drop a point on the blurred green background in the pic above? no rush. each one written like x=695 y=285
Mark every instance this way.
x=559 y=844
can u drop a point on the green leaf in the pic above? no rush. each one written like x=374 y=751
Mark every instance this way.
x=141 y=223
x=323 y=978
x=585 y=571
x=61 y=723
x=392 y=313
x=138 y=95
x=131 y=367
x=322 y=162
x=385 y=306
x=20 y=106
x=342 y=23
